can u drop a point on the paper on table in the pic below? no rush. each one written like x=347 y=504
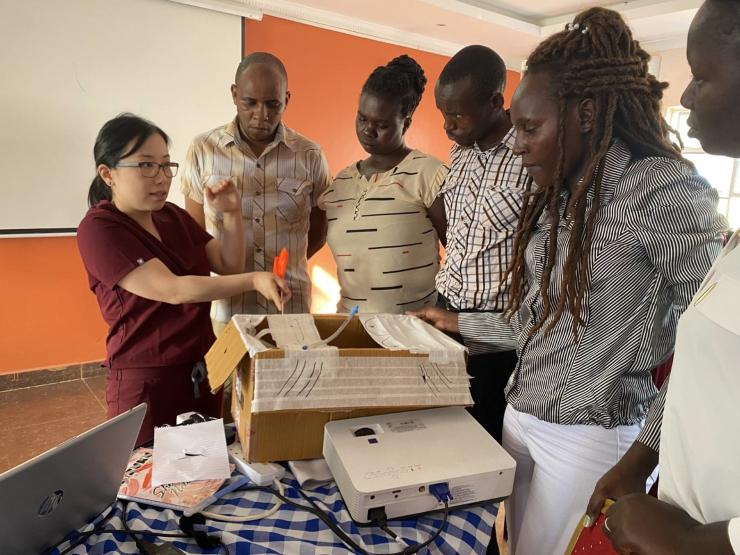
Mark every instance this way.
x=311 y=473
x=186 y=453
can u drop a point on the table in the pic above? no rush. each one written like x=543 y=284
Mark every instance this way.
x=291 y=531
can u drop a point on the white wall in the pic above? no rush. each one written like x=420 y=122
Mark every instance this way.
x=675 y=69
x=70 y=65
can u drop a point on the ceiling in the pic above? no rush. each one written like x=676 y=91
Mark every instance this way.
x=539 y=11
x=512 y=28
x=532 y=10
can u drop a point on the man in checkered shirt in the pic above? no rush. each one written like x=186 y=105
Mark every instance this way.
x=482 y=199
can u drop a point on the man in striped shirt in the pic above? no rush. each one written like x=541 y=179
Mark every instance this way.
x=279 y=175
x=482 y=199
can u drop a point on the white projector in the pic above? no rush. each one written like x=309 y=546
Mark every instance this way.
x=397 y=462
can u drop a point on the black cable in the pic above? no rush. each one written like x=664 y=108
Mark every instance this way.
x=101 y=529
x=313 y=509
x=326 y=519
x=346 y=539
x=77 y=541
x=124 y=519
x=86 y=535
x=391 y=533
x=378 y=518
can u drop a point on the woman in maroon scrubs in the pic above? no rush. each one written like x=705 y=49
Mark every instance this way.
x=149 y=265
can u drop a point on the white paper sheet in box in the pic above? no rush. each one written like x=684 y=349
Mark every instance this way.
x=288 y=384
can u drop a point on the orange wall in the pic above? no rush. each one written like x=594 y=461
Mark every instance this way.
x=50 y=318
x=326 y=71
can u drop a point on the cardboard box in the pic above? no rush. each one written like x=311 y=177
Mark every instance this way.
x=353 y=377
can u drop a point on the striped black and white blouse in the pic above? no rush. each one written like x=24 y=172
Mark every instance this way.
x=655 y=237
x=483 y=198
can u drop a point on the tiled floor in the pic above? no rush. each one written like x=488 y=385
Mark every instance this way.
x=35 y=419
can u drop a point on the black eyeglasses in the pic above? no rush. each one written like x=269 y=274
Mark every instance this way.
x=151 y=169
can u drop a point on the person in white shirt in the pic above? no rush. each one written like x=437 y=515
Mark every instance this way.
x=697 y=413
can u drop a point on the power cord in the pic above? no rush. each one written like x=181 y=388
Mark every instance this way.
x=440 y=491
x=139 y=545
x=443 y=496
x=341 y=534
x=398 y=539
x=379 y=518
x=134 y=534
x=246 y=518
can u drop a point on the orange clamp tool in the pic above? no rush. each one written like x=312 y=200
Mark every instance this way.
x=280 y=265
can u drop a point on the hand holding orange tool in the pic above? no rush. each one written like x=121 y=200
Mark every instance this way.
x=280 y=266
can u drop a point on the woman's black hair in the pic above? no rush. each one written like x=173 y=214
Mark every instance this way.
x=401 y=79
x=117 y=139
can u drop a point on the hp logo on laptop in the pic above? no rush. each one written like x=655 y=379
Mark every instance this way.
x=51 y=503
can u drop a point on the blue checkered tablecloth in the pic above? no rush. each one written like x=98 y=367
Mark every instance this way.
x=290 y=531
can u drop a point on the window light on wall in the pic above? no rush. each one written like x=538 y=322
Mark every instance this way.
x=722 y=173
x=325 y=291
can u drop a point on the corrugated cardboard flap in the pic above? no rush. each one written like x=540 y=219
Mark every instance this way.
x=224 y=356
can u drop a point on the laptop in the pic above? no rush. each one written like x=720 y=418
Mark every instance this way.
x=49 y=496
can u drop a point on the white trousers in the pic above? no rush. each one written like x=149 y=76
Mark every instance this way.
x=557 y=469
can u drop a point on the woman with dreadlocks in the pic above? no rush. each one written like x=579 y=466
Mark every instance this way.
x=615 y=236
x=384 y=216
